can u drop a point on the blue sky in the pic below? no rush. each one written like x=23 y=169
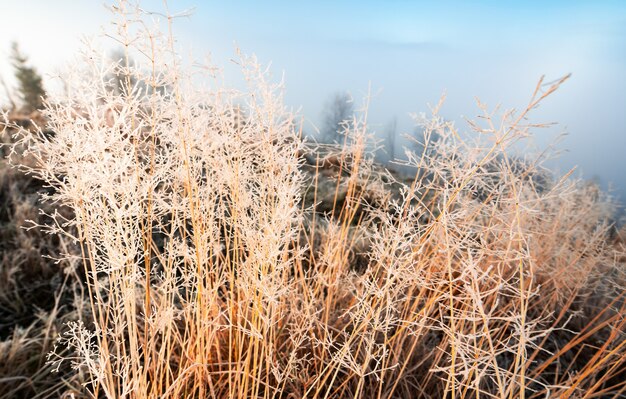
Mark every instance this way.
x=409 y=51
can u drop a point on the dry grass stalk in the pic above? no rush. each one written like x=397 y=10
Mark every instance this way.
x=206 y=274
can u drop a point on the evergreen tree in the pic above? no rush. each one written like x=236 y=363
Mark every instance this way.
x=337 y=117
x=29 y=81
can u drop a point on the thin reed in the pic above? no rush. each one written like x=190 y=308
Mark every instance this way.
x=212 y=266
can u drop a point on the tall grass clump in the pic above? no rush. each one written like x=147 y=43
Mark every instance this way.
x=213 y=266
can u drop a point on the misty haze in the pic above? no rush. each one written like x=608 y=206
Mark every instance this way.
x=370 y=199
x=408 y=53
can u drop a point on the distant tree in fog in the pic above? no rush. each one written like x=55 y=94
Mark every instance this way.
x=30 y=83
x=390 y=138
x=337 y=117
